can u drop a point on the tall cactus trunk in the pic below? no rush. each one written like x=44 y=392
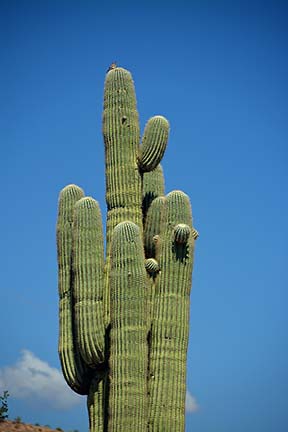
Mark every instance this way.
x=124 y=321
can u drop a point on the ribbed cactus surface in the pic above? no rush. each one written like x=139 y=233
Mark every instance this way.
x=124 y=318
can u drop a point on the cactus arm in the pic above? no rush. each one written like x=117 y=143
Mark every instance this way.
x=170 y=328
x=74 y=369
x=128 y=337
x=154 y=142
x=88 y=269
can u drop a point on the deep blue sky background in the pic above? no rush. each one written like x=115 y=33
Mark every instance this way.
x=218 y=71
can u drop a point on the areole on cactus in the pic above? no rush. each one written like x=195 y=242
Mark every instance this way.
x=124 y=320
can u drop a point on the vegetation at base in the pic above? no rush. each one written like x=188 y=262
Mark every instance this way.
x=4 y=405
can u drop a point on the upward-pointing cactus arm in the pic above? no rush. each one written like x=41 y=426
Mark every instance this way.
x=154 y=143
x=88 y=270
x=74 y=369
x=170 y=326
x=128 y=338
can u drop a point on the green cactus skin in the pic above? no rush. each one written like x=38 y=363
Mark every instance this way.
x=153 y=222
x=74 y=369
x=154 y=142
x=170 y=328
x=121 y=132
x=121 y=137
x=97 y=402
x=88 y=270
x=124 y=322
x=128 y=361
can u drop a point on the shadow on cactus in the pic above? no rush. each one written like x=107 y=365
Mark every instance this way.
x=124 y=319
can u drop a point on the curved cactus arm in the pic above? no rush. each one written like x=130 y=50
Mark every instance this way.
x=74 y=369
x=170 y=327
x=88 y=270
x=128 y=337
x=154 y=142
x=153 y=186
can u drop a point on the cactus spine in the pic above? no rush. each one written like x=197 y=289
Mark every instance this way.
x=124 y=320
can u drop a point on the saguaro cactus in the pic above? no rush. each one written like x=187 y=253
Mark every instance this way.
x=124 y=321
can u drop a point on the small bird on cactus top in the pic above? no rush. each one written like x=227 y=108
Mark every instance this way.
x=112 y=66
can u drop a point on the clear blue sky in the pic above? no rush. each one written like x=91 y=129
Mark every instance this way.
x=218 y=71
